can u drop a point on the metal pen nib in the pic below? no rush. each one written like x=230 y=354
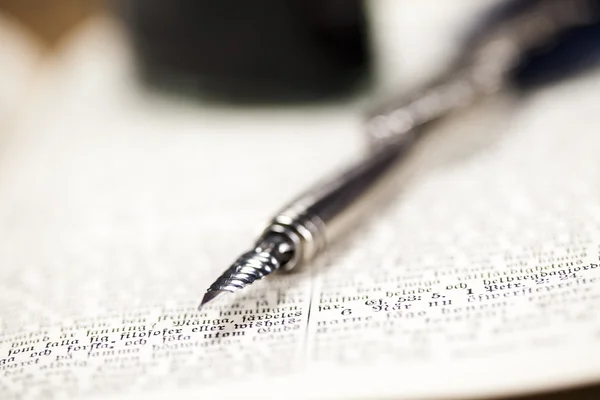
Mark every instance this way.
x=209 y=296
x=271 y=252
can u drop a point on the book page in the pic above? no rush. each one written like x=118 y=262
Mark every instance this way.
x=118 y=207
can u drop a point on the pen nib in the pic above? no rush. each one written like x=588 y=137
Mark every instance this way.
x=270 y=253
x=209 y=296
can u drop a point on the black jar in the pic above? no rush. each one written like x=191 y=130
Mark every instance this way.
x=247 y=51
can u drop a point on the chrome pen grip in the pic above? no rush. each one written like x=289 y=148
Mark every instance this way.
x=318 y=216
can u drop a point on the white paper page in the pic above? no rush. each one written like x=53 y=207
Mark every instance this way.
x=117 y=209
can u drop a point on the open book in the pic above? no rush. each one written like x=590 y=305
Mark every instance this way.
x=118 y=207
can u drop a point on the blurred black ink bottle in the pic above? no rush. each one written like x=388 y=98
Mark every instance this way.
x=254 y=51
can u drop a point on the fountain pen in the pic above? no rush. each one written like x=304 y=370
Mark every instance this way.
x=305 y=227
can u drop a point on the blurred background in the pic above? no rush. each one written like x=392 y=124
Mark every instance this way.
x=264 y=52
x=275 y=52
x=230 y=50
x=50 y=21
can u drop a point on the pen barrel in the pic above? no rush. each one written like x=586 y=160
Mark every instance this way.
x=332 y=206
x=317 y=217
x=486 y=65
